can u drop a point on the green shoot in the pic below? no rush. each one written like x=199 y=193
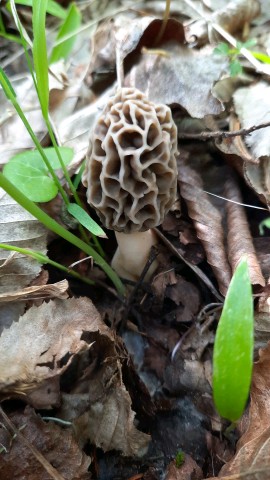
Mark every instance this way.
x=53 y=8
x=71 y=24
x=264 y=224
x=83 y=218
x=233 y=55
x=233 y=349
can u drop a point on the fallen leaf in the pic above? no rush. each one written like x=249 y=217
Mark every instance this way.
x=56 y=290
x=188 y=471
x=207 y=221
x=19 y=228
x=239 y=238
x=56 y=444
x=53 y=334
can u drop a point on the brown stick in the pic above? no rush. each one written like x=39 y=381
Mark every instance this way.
x=220 y=134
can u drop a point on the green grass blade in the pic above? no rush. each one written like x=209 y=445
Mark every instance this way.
x=84 y=219
x=53 y=8
x=40 y=54
x=233 y=349
x=71 y=24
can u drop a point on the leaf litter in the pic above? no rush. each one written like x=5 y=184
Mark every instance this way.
x=104 y=389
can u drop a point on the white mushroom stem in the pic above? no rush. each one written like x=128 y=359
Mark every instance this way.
x=132 y=254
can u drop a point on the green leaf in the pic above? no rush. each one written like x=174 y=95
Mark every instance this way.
x=6 y=85
x=233 y=349
x=85 y=220
x=261 y=56
x=53 y=8
x=29 y=174
x=251 y=42
x=263 y=224
x=23 y=33
x=235 y=68
x=70 y=25
x=222 y=49
x=40 y=54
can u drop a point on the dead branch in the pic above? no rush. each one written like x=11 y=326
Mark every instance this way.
x=221 y=134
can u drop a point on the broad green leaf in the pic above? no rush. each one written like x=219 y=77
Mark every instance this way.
x=263 y=224
x=233 y=349
x=70 y=25
x=251 y=42
x=235 y=68
x=29 y=174
x=83 y=218
x=53 y=8
x=33 y=182
x=40 y=54
x=222 y=49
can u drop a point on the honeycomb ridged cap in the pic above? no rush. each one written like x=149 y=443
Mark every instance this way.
x=131 y=171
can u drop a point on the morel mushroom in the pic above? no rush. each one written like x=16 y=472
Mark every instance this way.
x=131 y=175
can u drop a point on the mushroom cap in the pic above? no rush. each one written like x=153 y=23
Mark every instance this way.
x=131 y=171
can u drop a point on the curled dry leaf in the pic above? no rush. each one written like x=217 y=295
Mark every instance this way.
x=232 y=17
x=252 y=106
x=252 y=458
x=262 y=319
x=53 y=335
x=55 y=444
x=56 y=290
x=207 y=221
x=239 y=239
x=151 y=75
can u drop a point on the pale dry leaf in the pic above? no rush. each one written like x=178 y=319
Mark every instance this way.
x=55 y=290
x=207 y=221
x=109 y=424
x=252 y=458
x=19 y=228
x=234 y=16
x=166 y=79
x=252 y=105
x=57 y=445
x=239 y=239
x=53 y=334
x=14 y=137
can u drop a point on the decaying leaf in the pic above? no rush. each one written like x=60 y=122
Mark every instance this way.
x=188 y=471
x=18 y=227
x=56 y=290
x=109 y=424
x=152 y=72
x=262 y=320
x=208 y=223
x=252 y=459
x=57 y=445
x=239 y=238
x=53 y=335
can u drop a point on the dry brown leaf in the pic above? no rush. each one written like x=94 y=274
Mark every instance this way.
x=18 y=227
x=152 y=73
x=234 y=16
x=262 y=319
x=207 y=221
x=56 y=444
x=100 y=406
x=56 y=290
x=109 y=424
x=53 y=334
x=252 y=458
x=188 y=471
x=239 y=239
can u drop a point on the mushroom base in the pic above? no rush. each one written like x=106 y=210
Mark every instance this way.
x=132 y=254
